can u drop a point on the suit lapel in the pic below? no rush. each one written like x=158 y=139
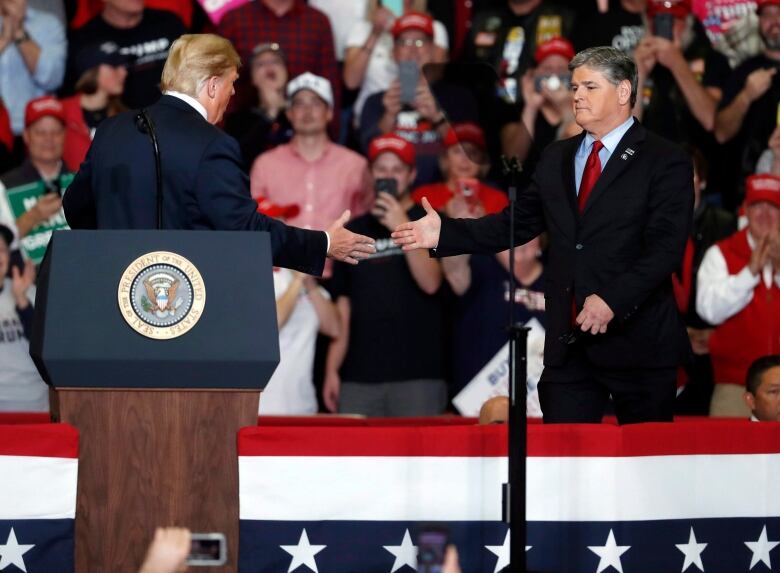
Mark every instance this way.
x=621 y=158
x=569 y=180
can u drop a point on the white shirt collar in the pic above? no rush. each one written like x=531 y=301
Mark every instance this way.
x=190 y=100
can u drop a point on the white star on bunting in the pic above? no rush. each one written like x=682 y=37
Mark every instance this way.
x=405 y=554
x=11 y=553
x=692 y=551
x=609 y=553
x=502 y=551
x=303 y=553
x=761 y=549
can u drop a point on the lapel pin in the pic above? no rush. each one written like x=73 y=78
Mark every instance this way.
x=624 y=157
x=629 y=151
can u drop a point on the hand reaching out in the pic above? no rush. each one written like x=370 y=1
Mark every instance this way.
x=347 y=246
x=420 y=234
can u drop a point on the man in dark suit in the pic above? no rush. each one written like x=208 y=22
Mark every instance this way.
x=616 y=235
x=204 y=184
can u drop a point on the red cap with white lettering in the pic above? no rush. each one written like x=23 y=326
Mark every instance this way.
x=763 y=187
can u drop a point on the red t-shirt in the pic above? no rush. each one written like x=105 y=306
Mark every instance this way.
x=439 y=194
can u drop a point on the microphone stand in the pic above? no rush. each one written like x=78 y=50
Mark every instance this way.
x=145 y=125
x=514 y=492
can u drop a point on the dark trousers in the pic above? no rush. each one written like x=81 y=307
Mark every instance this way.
x=578 y=392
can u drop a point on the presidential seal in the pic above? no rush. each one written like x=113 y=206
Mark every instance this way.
x=161 y=295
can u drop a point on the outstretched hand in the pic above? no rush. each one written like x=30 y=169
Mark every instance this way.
x=420 y=234
x=347 y=246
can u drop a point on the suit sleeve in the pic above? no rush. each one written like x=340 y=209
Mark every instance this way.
x=78 y=200
x=490 y=234
x=670 y=213
x=222 y=190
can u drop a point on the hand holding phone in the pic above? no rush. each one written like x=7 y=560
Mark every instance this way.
x=409 y=77
x=431 y=548
x=663 y=26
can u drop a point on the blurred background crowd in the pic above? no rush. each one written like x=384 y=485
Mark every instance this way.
x=372 y=105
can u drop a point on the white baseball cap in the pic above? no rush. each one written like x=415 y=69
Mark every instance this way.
x=308 y=81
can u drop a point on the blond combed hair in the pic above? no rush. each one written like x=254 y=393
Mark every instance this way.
x=193 y=59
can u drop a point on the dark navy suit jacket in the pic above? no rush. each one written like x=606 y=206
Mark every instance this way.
x=624 y=247
x=204 y=184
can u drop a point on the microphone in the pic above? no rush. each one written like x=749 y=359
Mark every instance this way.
x=144 y=124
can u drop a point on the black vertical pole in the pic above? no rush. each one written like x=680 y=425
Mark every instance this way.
x=514 y=491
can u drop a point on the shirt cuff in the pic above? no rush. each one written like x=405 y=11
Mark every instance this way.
x=327 y=238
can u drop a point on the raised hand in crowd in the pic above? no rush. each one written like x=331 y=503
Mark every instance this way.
x=391 y=101
x=532 y=99
x=666 y=52
x=382 y=21
x=425 y=104
x=43 y=210
x=168 y=551
x=773 y=251
x=21 y=281
x=420 y=234
x=460 y=208
x=761 y=254
x=388 y=211
x=645 y=57
x=758 y=82
x=270 y=86
x=345 y=245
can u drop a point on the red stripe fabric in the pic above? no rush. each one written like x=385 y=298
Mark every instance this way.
x=44 y=440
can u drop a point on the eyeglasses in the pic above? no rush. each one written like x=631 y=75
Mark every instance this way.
x=410 y=43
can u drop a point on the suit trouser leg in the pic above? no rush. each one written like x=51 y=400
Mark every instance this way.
x=577 y=392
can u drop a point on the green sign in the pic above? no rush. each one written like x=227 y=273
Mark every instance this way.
x=23 y=198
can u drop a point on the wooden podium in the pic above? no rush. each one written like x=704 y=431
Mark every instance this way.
x=157 y=418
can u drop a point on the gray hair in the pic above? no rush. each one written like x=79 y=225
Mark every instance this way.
x=614 y=64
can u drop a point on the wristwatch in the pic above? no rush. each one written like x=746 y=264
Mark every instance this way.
x=22 y=36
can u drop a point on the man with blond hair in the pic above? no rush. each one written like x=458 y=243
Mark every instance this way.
x=203 y=182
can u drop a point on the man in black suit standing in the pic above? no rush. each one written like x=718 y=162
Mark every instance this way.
x=204 y=185
x=616 y=202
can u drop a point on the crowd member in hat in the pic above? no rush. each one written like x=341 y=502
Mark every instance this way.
x=463 y=161
x=303 y=308
x=101 y=81
x=546 y=106
x=320 y=176
x=368 y=60
x=264 y=125
x=205 y=184
x=681 y=81
x=21 y=387
x=748 y=110
x=32 y=53
x=739 y=292
x=142 y=35
x=421 y=119
x=387 y=361
x=44 y=138
x=304 y=32
x=762 y=389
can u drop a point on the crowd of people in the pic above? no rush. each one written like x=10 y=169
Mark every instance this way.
x=350 y=105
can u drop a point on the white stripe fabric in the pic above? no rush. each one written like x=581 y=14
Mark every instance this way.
x=38 y=487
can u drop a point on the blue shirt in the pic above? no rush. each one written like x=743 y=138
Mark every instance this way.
x=610 y=142
x=17 y=85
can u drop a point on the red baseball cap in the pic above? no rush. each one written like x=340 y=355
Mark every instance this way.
x=677 y=8
x=466 y=132
x=41 y=107
x=761 y=3
x=270 y=209
x=555 y=46
x=394 y=144
x=413 y=21
x=763 y=187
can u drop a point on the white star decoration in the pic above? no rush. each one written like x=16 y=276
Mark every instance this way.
x=761 y=549
x=692 y=552
x=11 y=553
x=502 y=551
x=609 y=554
x=303 y=553
x=405 y=554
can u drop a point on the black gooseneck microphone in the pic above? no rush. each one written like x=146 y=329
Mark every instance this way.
x=145 y=125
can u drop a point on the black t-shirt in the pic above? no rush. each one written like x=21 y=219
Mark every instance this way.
x=145 y=46
x=617 y=27
x=395 y=331
x=761 y=118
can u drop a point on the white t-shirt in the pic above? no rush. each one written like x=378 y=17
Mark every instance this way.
x=382 y=69
x=291 y=389
x=21 y=387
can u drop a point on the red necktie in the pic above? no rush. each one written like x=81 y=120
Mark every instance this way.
x=590 y=175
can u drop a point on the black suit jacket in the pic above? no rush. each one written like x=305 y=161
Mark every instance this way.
x=624 y=247
x=205 y=186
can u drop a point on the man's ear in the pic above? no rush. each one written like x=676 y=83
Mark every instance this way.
x=750 y=400
x=624 y=92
